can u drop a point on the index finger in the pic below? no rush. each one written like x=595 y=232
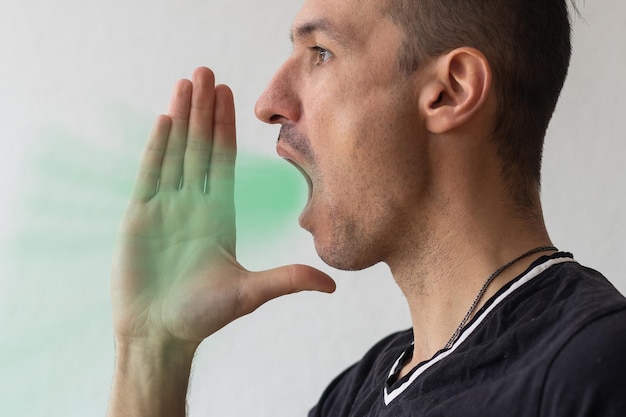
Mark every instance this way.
x=151 y=159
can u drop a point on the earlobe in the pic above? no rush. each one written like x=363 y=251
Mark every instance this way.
x=458 y=85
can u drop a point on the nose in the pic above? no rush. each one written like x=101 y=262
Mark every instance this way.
x=280 y=103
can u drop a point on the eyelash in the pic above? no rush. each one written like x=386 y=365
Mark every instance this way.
x=322 y=55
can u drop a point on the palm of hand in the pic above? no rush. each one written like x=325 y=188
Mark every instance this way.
x=173 y=245
x=175 y=274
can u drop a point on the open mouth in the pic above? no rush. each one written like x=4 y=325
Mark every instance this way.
x=306 y=176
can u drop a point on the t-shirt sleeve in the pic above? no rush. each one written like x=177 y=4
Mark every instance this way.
x=588 y=376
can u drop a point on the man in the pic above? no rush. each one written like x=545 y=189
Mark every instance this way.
x=418 y=126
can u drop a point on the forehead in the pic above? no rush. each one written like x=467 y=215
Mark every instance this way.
x=347 y=21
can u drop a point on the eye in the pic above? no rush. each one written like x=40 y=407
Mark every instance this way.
x=321 y=55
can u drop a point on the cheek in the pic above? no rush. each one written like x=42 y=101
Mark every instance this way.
x=360 y=154
x=391 y=159
x=365 y=140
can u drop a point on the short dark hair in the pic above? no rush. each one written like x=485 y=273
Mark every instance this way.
x=528 y=46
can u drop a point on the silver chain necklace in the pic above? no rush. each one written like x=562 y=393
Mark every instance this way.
x=480 y=294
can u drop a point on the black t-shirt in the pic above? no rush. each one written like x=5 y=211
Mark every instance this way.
x=551 y=343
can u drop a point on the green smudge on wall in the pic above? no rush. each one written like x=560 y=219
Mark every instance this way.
x=73 y=193
x=54 y=302
x=268 y=195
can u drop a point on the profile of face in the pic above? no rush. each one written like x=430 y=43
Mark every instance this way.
x=349 y=122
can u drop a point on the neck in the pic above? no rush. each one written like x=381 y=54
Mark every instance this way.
x=442 y=274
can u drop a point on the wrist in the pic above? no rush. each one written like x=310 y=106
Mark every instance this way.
x=151 y=377
x=159 y=352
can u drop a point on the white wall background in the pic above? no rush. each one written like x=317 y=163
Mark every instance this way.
x=80 y=82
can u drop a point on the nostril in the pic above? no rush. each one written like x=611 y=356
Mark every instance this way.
x=276 y=118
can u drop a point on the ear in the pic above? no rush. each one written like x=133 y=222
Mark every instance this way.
x=457 y=87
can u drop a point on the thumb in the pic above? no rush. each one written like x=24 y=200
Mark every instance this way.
x=266 y=285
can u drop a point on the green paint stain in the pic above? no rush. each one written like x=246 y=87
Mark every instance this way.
x=55 y=308
x=54 y=302
x=269 y=193
x=74 y=192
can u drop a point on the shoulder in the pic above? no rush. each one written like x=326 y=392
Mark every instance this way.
x=566 y=279
x=586 y=377
x=567 y=329
x=563 y=299
x=368 y=373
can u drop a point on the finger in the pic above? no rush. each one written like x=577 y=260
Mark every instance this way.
x=200 y=135
x=151 y=159
x=221 y=175
x=172 y=165
x=267 y=285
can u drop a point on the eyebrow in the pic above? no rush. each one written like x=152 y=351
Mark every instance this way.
x=318 y=25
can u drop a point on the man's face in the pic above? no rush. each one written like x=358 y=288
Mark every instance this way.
x=349 y=122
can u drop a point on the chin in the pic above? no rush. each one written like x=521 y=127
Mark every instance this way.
x=340 y=241
x=345 y=257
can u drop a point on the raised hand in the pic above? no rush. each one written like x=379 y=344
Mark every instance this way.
x=175 y=273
